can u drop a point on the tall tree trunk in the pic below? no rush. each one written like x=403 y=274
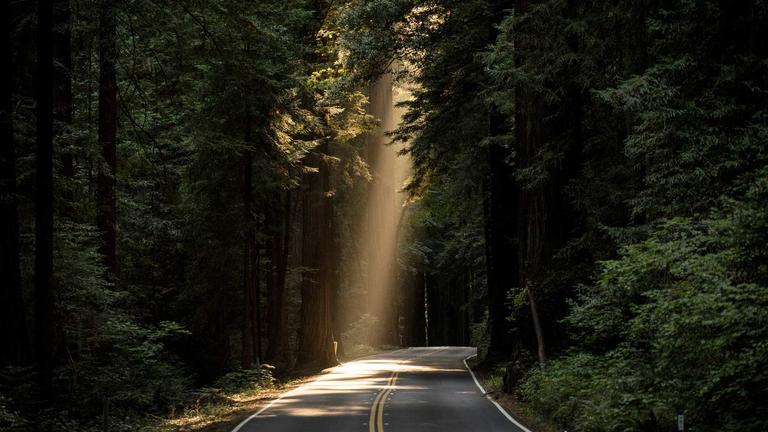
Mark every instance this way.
x=316 y=332
x=279 y=245
x=14 y=341
x=246 y=358
x=434 y=310
x=44 y=340
x=545 y=217
x=62 y=98
x=106 y=216
x=334 y=279
x=419 y=323
x=541 y=347
x=500 y=223
x=256 y=303
x=532 y=204
x=502 y=259
x=246 y=348
x=533 y=225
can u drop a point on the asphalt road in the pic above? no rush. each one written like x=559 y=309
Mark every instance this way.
x=409 y=390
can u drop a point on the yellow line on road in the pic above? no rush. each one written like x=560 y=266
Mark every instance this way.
x=380 y=414
x=379 y=401
x=376 y=417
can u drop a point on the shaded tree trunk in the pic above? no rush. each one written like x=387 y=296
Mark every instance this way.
x=419 y=324
x=502 y=259
x=14 y=341
x=256 y=303
x=532 y=225
x=540 y=345
x=316 y=332
x=106 y=216
x=44 y=338
x=62 y=98
x=500 y=224
x=414 y=325
x=435 y=323
x=531 y=203
x=545 y=217
x=278 y=246
x=334 y=278
x=246 y=347
x=247 y=336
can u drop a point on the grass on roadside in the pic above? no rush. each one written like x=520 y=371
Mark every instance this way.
x=238 y=394
x=221 y=406
x=492 y=379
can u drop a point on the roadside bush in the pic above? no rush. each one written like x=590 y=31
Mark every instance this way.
x=246 y=378
x=677 y=324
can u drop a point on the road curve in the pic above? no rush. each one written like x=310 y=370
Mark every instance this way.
x=409 y=390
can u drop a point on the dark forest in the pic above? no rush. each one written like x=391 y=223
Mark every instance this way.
x=205 y=203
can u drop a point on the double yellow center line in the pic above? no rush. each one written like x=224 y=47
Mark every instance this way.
x=376 y=418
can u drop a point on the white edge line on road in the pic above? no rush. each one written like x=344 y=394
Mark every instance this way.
x=258 y=413
x=501 y=409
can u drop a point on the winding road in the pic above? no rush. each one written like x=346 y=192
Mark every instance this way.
x=409 y=390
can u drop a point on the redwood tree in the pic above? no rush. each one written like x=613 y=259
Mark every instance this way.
x=44 y=340
x=12 y=320
x=106 y=215
x=277 y=248
x=316 y=331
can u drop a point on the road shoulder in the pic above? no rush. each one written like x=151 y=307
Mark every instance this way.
x=510 y=404
x=225 y=413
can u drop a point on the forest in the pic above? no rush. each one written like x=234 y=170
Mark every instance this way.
x=196 y=195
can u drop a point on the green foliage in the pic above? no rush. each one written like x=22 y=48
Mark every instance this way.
x=201 y=85
x=357 y=333
x=479 y=335
x=246 y=378
x=113 y=362
x=9 y=419
x=678 y=320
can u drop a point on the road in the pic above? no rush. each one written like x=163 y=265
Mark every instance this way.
x=409 y=390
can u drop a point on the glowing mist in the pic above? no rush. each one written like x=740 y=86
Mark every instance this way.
x=384 y=210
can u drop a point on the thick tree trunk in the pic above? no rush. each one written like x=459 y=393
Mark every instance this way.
x=44 y=340
x=256 y=303
x=334 y=278
x=545 y=218
x=62 y=99
x=532 y=204
x=502 y=259
x=247 y=336
x=419 y=324
x=413 y=308
x=106 y=216
x=316 y=332
x=541 y=347
x=279 y=245
x=14 y=341
x=246 y=348
x=500 y=224
x=434 y=309
x=533 y=224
